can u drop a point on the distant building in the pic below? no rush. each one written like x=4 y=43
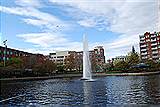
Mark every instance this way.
x=120 y=58
x=10 y=53
x=150 y=46
x=97 y=54
x=59 y=56
x=13 y=53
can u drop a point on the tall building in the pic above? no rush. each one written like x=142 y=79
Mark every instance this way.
x=150 y=46
x=99 y=54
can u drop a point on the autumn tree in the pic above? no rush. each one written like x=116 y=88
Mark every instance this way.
x=70 y=62
x=47 y=67
x=93 y=63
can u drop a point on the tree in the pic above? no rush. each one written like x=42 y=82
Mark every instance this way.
x=93 y=63
x=133 y=59
x=46 y=68
x=70 y=62
x=108 y=66
x=61 y=69
x=78 y=63
x=151 y=63
x=15 y=62
x=29 y=61
x=120 y=64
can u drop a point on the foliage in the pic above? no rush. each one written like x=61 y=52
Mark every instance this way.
x=1 y=64
x=133 y=59
x=47 y=67
x=108 y=66
x=121 y=64
x=61 y=69
x=70 y=62
x=15 y=63
x=93 y=64
x=151 y=63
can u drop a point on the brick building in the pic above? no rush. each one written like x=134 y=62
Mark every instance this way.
x=26 y=56
x=96 y=56
x=150 y=46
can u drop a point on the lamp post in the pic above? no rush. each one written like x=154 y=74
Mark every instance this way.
x=5 y=44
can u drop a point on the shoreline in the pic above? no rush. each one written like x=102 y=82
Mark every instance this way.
x=80 y=75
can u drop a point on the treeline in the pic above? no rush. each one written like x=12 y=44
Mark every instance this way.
x=32 y=66
x=20 y=67
x=133 y=63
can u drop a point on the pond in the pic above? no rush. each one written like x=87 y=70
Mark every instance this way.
x=104 y=91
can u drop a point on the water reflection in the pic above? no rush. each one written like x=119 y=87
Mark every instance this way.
x=94 y=93
x=88 y=95
x=152 y=89
x=133 y=90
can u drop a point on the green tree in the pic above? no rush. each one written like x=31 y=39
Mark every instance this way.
x=108 y=66
x=15 y=63
x=120 y=64
x=132 y=59
x=61 y=69
x=151 y=63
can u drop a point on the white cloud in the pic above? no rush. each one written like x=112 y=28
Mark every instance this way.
x=37 y=18
x=138 y=16
x=87 y=23
x=44 y=25
x=51 y=26
x=43 y=39
x=46 y=50
x=29 y=3
x=129 y=18
x=50 y=41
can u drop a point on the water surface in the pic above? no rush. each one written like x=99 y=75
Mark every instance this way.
x=110 y=90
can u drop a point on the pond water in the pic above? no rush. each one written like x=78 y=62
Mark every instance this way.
x=104 y=91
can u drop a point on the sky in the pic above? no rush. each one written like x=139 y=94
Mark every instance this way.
x=45 y=26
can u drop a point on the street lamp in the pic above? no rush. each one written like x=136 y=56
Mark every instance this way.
x=5 y=44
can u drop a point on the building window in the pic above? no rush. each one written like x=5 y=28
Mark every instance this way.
x=52 y=53
x=60 y=56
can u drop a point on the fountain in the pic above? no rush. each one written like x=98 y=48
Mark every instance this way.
x=87 y=75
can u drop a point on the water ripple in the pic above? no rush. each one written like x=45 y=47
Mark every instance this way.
x=102 y=92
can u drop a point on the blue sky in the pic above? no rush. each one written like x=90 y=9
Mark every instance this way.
x=44 y=26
